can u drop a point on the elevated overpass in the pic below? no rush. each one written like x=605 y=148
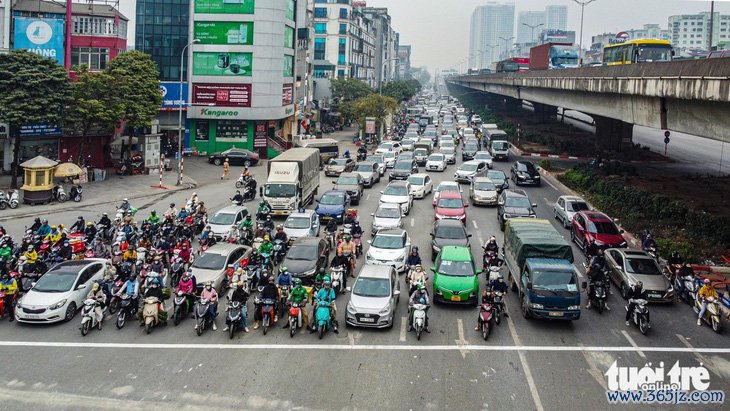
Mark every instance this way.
x=690 y=96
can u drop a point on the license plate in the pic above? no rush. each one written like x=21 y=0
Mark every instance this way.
x=278 y=213
x=654 y=295
x=32 y=316
x=455 y=298
x=555 y=314
x=368 y=320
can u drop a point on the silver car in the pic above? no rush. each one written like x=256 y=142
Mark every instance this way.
x=567 y=206
x=388 y=215
x=225 y=219
x=389 y=247
x=470 y=170
x=374 y=298
x=304 y=224
x=483 y=191
x=215 y=261
x=379 y=160
x=484 y=156
x=389 y=158
x=369 y=172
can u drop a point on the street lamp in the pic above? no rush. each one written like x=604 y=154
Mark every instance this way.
x=382 y=74
x=491 y=52
x=582 y=5
x=506 y=42
x=532 y=35
x=180 y=131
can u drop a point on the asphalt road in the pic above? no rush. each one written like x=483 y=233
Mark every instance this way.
x=525 y=364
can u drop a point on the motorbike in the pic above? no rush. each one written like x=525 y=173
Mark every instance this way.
x=267 y=312
x=295 y=317
x=249 y=193
x=176 y=271
x=251 y=276
x=498 y=306
x=361 y=156
x=330 y=238
x=419 y=319
x=59 y=194
x=14 y=202
x=688 y=285
x=712 y=315
x=652 y=251
x=284 y=291
x=202 y=317
x=233 y=317
x=151 y=316
x=640 y=316
x=489 y=259
x=598 y=296
x=357 y=239
x=126 y=310
x=88 y=316
x=279 y=251
x=4 y=200
x=114 y=300
x=486 y=316
x=322 y=317
x=181 y=304
x=336 y=276
x=76 y=193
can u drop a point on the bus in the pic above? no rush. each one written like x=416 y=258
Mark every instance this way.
x=637 y=51
x=505 y=66
x=328 y=148
x=523 y=63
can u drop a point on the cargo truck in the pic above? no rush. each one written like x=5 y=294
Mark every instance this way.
x=540 y=269
x=293 y=180
x=498 y=144
x=551 y=56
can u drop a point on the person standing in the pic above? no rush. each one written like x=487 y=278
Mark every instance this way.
x=226 y=169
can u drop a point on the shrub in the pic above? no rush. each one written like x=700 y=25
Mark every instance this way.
x=545 y=164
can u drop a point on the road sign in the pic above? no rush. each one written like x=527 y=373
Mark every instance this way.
x=666 y=140
x=667 y=134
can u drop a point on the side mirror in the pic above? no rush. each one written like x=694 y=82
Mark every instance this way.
x=230 y=266
x=261 y=191
x=372 y=214
x=466 y=205
x=370 y=241
x=81 y=286
x=334 y=182
x=533 y=205
x=396 y=292
x=529 y=285
x=433 y=269
x=468 y=236
x=621 y=231
x=317 y=201
x=584 y=285
x=479 y=272
x=381 y=192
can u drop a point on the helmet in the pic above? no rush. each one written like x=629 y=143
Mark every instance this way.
x=492 y=239
x=105 y=214
x=600 y=252
x=282 y=269
x=414 y=250
x=322 y=270
x=95 y=286
x=500 y=278
x=132 y=276
x=30 y=247
x=271 y=280
x=254 y=251
x=155 y=281
x=327 y=283
x=348 y=237
x=707 y=281
x=172 y=205
x=422 y=301
x=268 y=218
x=208 y=284
x=266 y=238
x=179 y=260
x=126 y=200
x=248 y=217
x=80 y=217
x=279 y=227
x=153 y=212
x=297 y=281
x=89 y=223
x=44 y=221
x=53 y=227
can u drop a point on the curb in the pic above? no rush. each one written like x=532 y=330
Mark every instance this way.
x=545 y=155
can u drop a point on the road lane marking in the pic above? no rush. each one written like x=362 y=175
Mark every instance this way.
x=551 y=185
x=403 y=329
x=461 y=341
x=525 y=366
x=593 y=369
x=413 y=222
x=701 y=358
x=474 y=223
x=548 y=202
x=367 y=197
x=633 y=343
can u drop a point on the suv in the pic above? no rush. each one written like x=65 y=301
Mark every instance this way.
x=626 y=267
x=471 y=146
x=455 y=276
x=525 y=172
x=514 y=204
x=595 y=227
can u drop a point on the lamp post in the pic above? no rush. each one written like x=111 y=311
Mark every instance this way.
x=491 y=52
x=382 y=74
x=506 y=42
x=181 y=131
x=582 y=5
x=532 y=28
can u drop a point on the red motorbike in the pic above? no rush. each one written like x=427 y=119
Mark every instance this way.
x=486 y=316
x=2 y=304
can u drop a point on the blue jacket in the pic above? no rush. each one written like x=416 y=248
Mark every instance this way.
x=284 y=279
x=323 y=295
x=500 y=286
x=413 y=260
x=44 y=230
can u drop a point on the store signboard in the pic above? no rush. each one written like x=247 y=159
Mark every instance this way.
x=39 y=129
x=170 y=91
x=222 y=64
x=369 y=125
x=223 y=32
x=224 y=6
x=260 y=135
x=222 y=95
x=287 y=94
x=44 y=37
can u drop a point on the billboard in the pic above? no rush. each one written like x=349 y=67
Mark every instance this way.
x=223 y=32
x=224 y=6
x=222 y=64
x=222 y=95
x=41 y=36
x=288 y=66
x=171 y=95
x=287 y=94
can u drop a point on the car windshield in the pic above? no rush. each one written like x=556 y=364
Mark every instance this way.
x=395 y=191
x=444 y=186
x=576 y=206
x=389 y=155
x=387 y=146
x=452 y=232
x=223 y=219
x=484 y=186
x=496 y=175
x=602 y=227
x=351 y=181
x=210 y=261
x=391 y=242
x=387 y=212
x=447 y=150
x=338 y=162
x=330 y=199
x=456 y=268
x=402 y=166
x=368 y=168
x=521 y=202
x=554 y=281
x=297 y=222
x=280 y=190
x=436 y=157
x=471 y=146
x=56 y=281
x=418 y=181
x=483 y=156
x=468 y=167
x=450 y=203
x=643 y=266
x=499 y=145
x=420 y=152
x=372 y=287
x=375 y=159
x=302 y=252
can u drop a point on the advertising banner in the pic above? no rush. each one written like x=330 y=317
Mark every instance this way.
x=288 y=66
x=369 y=125
x=224 y=6
x=222 y=95
x=222 y=64
x=287 y=94
x=260 y=135
x=223 y=32
x=41 y=36
x=40 y=129
x=171 y=95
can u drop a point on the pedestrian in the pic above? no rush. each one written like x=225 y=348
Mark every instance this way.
x=226 y=169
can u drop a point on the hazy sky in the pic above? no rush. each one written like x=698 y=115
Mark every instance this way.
x=438 y=30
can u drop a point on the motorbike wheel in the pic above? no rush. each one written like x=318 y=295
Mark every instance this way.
x=715 y=325
x=320 y=331
x=266 y=326
x=643 y=326
x=498 y=317
x=231 y=331
x=85 y=328
x=3 y=205
x=292 y=328
x=485 y=331
x=13 y=205
x=418 y=333
x=178 y=317
x=148 y=328
x=600 y=307
x=121 y=319
x=239 y=184
x=62 y=198
x=199 y=330
x=113 y=306
x=77 y=199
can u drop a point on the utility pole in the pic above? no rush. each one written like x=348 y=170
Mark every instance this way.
x=582 y=5
x=532 y=35
x=506 y=45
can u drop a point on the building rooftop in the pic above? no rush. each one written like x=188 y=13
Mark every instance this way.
x=99 y=8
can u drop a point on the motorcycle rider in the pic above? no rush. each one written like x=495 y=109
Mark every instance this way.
x=280 y=234
x=636 y=292
x=684 y=271
x=326 y=294
x=418 y=277
x=487 y=298
x=413 y=258
x=9 y=286
x=491 y=245
x=266 y=248
x=66 y=252
x=241 y=295
x=155 y=291
x=340 y=260
x=31 y=256
x=211 y=295
x=263 y=210
x=269 y=224
x=131 y=288
x=90 y=231
x=260 y=232
x=172 y=211
x=54 y=236
x=97 y=294
x=125 y=205
x=36 y=225
x=187 y=286
x=44 y=229
x=206 y=234
x=270 y=292
x=105 y=221
x=362 y=152
x=648 y=242
x=299 y=295
x=78 y=225
x=598 y=263
x=247 y=223
x=415 y=298
x=596 y=274
x=349 y=249
x=245 y=172
x=237 y=198
x=250 y=184
x=130 y=255
x=284 y=279
x=706 y=292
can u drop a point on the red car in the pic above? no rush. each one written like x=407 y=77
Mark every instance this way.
x=595 y=227
x=450 y=205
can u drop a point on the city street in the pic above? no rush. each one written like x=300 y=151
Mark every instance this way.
x=525 y=364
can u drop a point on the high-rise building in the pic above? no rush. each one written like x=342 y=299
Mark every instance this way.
x=386 y=49
x=649 y=31
x=529 y=25
x=556 y=17
x=693 y=30
x=4 y=26
x=162 y=31
x=404 y=66
x=491 y=33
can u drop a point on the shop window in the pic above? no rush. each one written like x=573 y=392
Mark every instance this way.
x=92 y=57
x=201 y=130
x=231 y=130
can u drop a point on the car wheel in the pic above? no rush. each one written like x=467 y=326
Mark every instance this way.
x=70 y=312
x=247 y=163
x=624 y=291
x=217 y=161
x=572 y=237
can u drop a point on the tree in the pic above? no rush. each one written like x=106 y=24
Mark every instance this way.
x=374 y=105
x=95 y=106
x=136 y=79
x=401 y=90
x=33 y=89
x=345 y=91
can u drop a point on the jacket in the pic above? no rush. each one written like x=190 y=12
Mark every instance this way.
x=9 y=287
x=413 y=260
x=497 y=285
x=340 y=260
x=348 y=247
x=416 y=298
x=240 y=295
x=44 y=230
x=298 y=294
x=130 y=287
x=97 y=295
x=270 y=292
x=326 y=295
x=31 y=256
x=284 y=279
x=708 y=291
x=266 y=248
x=210 y=295
x=185 y=286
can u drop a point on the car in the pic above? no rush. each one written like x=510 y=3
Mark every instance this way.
x=421 y=185
x=566 y=207
x=352 y=183
x=379 y=160
x=368 y=172
x=403 y=169
x=389 y=247
x=332 y=205
x=450 y=205
x=525 y=172
x=374 y=297
x=407 y=143
x=449 y=153
x=387 y=215
x=398 y=192
x=431 y=134
x=337 y=166
x=483 y=191
x=60 y=292
x=436 y=162
x=514 y=204
x=469 y=170
x=626 y=267
x=304 y=224
x=305 y=257
x=214 y=263
x=447 y=232
x=499 y=178
x=476 y=119
x=470 y=148
x=421 y=155
x=484 y=156
x=447 y=141
x=389 y=158
x=455 y=276
x=235 y=156
x=443 y=186
x=595 y=227
x=393 y=146
x=225 y=219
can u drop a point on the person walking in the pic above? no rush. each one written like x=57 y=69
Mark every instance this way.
x=226 y=169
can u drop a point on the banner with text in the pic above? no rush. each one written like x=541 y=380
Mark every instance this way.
x=223 y=32
x=222 y=95
x=171 y=95
x=287 y=94
x=224 y=6
x=44 y=37
x=222 y=64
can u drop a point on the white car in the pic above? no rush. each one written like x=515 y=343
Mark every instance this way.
x=443 y=186
x=436 y=162
x=567 y=206
x=389 y=157
x=483 y=191
x=476 y=119
x=386 y=216
x=379 y=160
x=407 y=143
x=484 y=156
x=389 y=247
x=225 y=219
x=398 y=192
x=60 y=292
x=449 y=153
x=392 y=146
x=470 y=170
x=421 y=185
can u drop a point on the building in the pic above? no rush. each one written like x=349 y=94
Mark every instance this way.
x=649 y=31
x=491 y=33
x=692 y=31
x=161 y=30
x=361 y=58
x=386 y=46
x=556 y=17
x=242 y=75
x=594 y=55
x=304 y=66
x=4 y=26
x=404 y=65
x=529 y=25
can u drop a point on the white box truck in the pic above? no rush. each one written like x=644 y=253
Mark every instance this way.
x=293 y=180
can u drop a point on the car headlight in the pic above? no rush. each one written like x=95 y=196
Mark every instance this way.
x=537 y=177
x=310 y=272
x=338 y=215
x=507 y=215
x=598 y=243
x=535 y=306
x=574 y=307
x=520 y=176
x=57 y=305
x=19 y=303
x=436 y=248
x=351 y=308
x=384 y=311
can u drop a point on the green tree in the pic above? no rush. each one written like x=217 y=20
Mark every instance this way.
x=345 y=91
x=137 y=85
x=401 y=90
x=33 y=89
x=94 y=107
x=374 y=105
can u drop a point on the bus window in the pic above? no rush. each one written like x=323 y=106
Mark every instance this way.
x=653 y=53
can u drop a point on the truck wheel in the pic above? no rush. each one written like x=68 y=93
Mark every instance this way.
x=523 y=307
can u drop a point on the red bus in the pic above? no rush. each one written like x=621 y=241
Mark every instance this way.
x=523 y=63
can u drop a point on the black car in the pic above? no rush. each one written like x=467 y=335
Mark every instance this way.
x=471 y=146
x=403 y=169
x=514 y=204
x=305 y=257
x=235 y=156
x=445 y=232
x=525 y=172
x=352 y=183
x=499 y=178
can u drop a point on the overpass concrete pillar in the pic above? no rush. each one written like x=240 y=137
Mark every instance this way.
x=612 y=134
x=545 y=112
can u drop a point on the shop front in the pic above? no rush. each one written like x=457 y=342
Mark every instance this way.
x=212 y=136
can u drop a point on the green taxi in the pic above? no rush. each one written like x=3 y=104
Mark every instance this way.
x=455 y=276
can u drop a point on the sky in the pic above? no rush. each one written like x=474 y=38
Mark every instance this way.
x=438 y=30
